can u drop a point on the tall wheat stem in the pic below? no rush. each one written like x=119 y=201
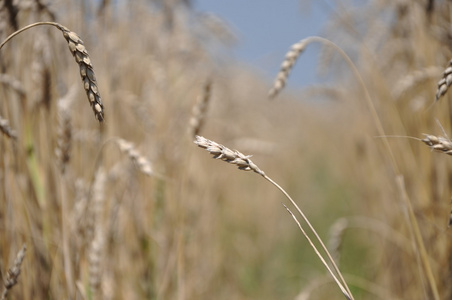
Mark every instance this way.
x=399 y=178
x=345 y=291
x=279 y=83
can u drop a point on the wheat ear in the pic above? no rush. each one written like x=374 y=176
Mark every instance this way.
x=143 y=164
x=412 y=80
x=81 y=56
x=438 y=143
x=286 y=66
x=6 y=129
x=244 y=163
x=199 y=110
x=12 y=82
x=64 y=131
x=14 y=272
x=445 y=82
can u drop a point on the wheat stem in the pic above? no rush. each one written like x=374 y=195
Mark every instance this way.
x=244 y=163
x=279 y=83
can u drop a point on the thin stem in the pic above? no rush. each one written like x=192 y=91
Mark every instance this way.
x=315 y=233
x=418 y=236
x=345 y=292
x=368 y=98
x=28 y=27
x=412 y=218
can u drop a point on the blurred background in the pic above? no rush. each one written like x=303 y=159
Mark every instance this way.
x=131 y=209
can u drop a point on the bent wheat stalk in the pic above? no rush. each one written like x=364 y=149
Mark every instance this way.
x=244 y=163
x=81 y=56
x=280 y=80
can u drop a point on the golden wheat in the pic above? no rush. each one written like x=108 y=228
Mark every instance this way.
x=82 y=58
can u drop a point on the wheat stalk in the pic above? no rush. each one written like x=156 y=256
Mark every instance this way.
x=244 y=163
x=82 y=58
x=14 y=272
x=279 y=83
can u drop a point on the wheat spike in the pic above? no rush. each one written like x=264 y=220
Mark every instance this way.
x=445 y=82
x=81 y=56
x=6 y=129
x=286 y=67
x=199 y=110
x=97 y=244
x=14 y=272
x=231 y=156
x=336 y=234
x=144 y=165
x=64 y=132
x=12 y=82
x=439 y=144
x=412 y=80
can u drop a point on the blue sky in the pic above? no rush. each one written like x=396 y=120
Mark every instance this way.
x=267 y=28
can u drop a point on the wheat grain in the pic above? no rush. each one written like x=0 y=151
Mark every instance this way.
x=14 y=272
x=6 y=129
x=82 y=58
x=199 y=110
x=440 y=144
x=445 y=82
x=286 y=67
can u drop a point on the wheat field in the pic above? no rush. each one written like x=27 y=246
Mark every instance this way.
x=105 y=195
